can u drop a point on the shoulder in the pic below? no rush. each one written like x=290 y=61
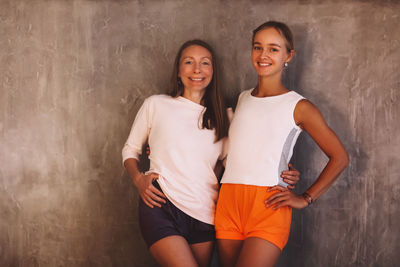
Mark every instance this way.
x=294 y=96
x=245 y=94
x=152 y=103
x=306 y=111
x=155 y=98
x=305 y=105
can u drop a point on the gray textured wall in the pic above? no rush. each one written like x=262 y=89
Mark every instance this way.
x=74 y=73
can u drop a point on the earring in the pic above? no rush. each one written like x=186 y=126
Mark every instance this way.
x=286 y=64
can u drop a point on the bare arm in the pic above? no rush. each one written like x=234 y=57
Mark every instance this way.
x=309 y=118
x=144 y=183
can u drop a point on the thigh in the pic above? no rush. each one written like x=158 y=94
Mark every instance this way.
x=258 y=252
x=155 y=223
x=202 y=252
x=173 y=251
x=228 y=251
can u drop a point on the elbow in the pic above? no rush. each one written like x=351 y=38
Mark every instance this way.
x=343 y=159
x=347 y=159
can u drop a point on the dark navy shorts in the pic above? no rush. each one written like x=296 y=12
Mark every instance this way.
x=157 y=223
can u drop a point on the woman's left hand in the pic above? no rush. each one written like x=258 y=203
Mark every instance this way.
x=285 y=198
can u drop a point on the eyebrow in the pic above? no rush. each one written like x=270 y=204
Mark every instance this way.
x=209 y=58
x=273 y=44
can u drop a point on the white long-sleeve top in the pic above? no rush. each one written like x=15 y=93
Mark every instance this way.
x=182 y=153
x=264 y=128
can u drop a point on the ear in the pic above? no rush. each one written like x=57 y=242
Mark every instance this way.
x=290 y=55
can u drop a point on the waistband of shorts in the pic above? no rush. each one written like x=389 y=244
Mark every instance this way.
x=247 y=185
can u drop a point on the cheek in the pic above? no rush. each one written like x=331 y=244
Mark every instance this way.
x=183 y=69
x=254 y=55
x=253 y=59
x=209 y=71
x=284 y=58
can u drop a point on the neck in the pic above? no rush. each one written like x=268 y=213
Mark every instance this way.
x=193 y=96
x=269 y=86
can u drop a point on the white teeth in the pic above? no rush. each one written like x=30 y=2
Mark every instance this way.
x=196 y=79
x=264 y=64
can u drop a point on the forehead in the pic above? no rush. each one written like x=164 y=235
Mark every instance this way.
x=196 y=51
x=269 y=35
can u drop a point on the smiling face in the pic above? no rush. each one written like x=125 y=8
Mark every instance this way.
x=195 y=68
x=270 y=52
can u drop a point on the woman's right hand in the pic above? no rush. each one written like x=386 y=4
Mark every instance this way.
x=150 y=195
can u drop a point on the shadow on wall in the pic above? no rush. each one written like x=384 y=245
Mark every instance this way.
x=116 y=243
x=292 y=76
x=9 y=209
x=309 y=160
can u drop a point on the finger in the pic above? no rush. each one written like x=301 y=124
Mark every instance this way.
x=290 y=181
x=147 y=203
x=281 y=204
x=153 y=202
x=276 y=201
x=156 y=191
x=156 y=204
x=153 y=175
x=273 y=196
x=277 y=198
x=277 y=187
x=273 y=188
x=290 y=173
x=293 y=174
x=154 y=197
x=281 y=188
x=291 y=168
x=291 y=187
x=151 y=195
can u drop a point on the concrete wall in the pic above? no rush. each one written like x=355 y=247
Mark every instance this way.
x=74 y=73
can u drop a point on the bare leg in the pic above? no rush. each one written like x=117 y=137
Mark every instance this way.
x=229 y=251
x=202 y=253
x=173 y=251
x=258 y=252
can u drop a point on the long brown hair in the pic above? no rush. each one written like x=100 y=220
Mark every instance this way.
x=215 y=116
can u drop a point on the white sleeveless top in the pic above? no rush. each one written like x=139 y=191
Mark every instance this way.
x=261 y=139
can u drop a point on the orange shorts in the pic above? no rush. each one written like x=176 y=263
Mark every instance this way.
x=241 y=213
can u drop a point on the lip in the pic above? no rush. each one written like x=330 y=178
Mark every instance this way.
x=264 y=64
x=196 y=79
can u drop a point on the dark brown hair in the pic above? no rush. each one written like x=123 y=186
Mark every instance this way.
x=282 y=28
x=215 y=116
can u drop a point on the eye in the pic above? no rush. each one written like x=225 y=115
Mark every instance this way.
x=257 y=48
x=274 y=50
x=187 y=62
x=206 y=63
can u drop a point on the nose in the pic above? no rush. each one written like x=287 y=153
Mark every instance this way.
x=197 y=68
x=264 y=53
